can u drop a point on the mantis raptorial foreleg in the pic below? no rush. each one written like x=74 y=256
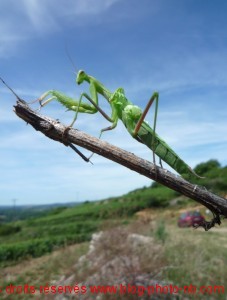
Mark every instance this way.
x=45 y=102
x=153 y=98
x=78 y=106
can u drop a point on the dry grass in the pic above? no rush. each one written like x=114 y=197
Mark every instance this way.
x=42 y=270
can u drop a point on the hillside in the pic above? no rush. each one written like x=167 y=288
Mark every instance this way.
x=9 y=213
x=62 y=226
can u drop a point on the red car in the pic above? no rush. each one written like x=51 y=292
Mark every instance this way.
x=190 y=218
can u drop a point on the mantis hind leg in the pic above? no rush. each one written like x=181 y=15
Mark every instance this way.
x=154 y=97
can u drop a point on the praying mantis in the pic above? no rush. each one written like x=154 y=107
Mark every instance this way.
x=121 y=108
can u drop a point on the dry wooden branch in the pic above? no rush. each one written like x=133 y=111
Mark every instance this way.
x=55 y=130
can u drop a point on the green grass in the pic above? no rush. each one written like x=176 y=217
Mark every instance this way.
x=42 y=270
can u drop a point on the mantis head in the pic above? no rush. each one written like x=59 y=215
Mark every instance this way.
x=81 y=76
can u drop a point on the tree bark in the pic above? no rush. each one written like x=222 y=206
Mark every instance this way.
x=56 y=131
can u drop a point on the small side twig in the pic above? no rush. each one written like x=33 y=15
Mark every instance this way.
x=209 y=224
x=55 y=130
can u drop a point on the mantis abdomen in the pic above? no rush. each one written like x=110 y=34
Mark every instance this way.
x=163 y=150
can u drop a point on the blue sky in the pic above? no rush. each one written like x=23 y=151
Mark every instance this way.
x=176 y=47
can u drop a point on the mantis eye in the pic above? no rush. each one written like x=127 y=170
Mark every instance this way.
x=80 y=77
x=81 y=72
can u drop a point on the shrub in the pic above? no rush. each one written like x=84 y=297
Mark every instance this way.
x=6 y=229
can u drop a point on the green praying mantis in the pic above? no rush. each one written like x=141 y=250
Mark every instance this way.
x=131 y=115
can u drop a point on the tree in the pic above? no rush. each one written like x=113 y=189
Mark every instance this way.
x=203 y=168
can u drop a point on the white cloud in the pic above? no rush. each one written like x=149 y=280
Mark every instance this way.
x=25 y=19
x=88 y=7
x=40 y=15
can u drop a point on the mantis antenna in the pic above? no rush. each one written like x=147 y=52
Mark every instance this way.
x=70 y=59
